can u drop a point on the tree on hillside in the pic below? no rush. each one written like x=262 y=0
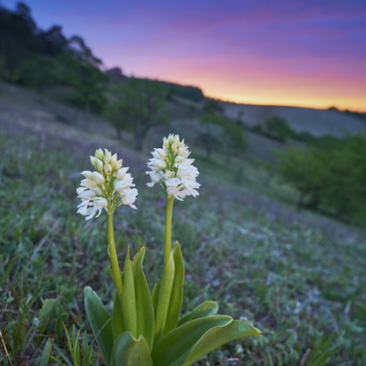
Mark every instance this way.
x=234 y=139
x=137 y=106
x=81 y=71
x=79 y=51
x=87 y=82
x=115 y=72
x=278 y=128
x=53 y=41
x=332 y=178
x=18 y=38
x=327 y=142
x=306 y=171
x=346 y=193
x=117 y=112
x=304 y=136
x=212 y=106
x=37 y=73
x=23 y=11
x=210 y=133
x=189 y=92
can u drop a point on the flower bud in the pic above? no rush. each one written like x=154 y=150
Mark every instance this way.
x=87 y=174
x=161 y=153
x=175 y=146
x=96 y=163
x=99 y=154
x=98 y=178
x=161 y=164
x=118 y=164
x=107 y=169
x=107 y=156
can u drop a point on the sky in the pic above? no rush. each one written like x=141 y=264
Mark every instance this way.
x=308 y=53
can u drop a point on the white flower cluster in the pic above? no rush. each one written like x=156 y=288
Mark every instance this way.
x=171 y=168
x=102 y=188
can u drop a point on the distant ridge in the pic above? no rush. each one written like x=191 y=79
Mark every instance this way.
x=316 y=121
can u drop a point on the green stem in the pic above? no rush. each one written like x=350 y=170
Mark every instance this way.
x=168 y=229
x=116 y=273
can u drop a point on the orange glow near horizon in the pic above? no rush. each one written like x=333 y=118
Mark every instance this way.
x=247 y=85
x=355 y=106
x=311 y=101
x=269 y=52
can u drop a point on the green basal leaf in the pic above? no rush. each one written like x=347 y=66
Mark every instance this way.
x=174 y=348
x=155 y=295
x=207 y=308
x=100 y=322
x=129 y=351
x=46 y=353
x=46 y=314
x=129 y=297
x=163 y=300
x=176 y=298
x=88 y=350
x=218 y=336
x=117 y=318
x=144 y=307
x=196 y=338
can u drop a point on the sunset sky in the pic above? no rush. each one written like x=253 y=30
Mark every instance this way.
x=305 y=53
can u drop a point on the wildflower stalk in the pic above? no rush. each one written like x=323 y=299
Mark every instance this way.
x=116 y=273
x=144 y=328
x=168 y=229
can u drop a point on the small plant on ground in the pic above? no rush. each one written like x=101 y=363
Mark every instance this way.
x=146 y=328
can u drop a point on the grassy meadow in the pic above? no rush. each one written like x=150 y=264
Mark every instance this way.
x=298 y=277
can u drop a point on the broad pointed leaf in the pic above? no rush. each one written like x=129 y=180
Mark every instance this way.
x=46 y=314
x=174 y=348
x=129 y=351
x=155 y=295
x=207 y=308
x=163 y=300
x=196 y=338
x=144 y=307
x=46 y=353
x=100 y=322
x=176 y=297
x=117 y=318
x=129 y=297
x=218 y=336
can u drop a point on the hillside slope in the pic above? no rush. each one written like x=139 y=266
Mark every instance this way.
x=316 y=121
x=299 y=277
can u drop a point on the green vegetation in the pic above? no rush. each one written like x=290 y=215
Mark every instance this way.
x=218 y=133
x=234 y=140
x=87 y=82
x=42 y=59
x=359 y=115
x=46 y=61
x=278 y=128
x=137 y=107
x=330 y=176
x=212 y=106
x=37 y=73
x=210 y=132
x=188 y=92
x=299 y=277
